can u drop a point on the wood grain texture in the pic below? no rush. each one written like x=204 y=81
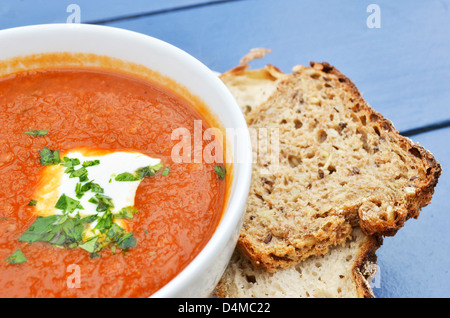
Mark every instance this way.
x=14 y=13
x=402 y=69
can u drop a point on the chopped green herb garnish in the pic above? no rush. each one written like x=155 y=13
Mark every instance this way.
x=104 y=202
x=32 y=203
x=115 y=232
x=127 y=241
x=93 y=200
x=59 y=230
x=70 y=164
x=105 y=221
x=78 y=191
x=49 y=157
x=90 y=163
x=65 y=231
x=94 y=187
x=40 y=230
x=140 y=173
x=79 y=173
x=90 y=245
x=220 y=172
x=126 y=176
x=16 y=258
x=36 y=132
x=89 y=219
x=157 y=167
x=67 y=204
x=165 y=172
x=126 y=212
x=144 y=172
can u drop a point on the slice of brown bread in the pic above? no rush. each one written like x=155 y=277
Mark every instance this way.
x=344 y=272
x=340 y=164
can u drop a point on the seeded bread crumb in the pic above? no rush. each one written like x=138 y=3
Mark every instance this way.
x=340 y=165
x=344 y=272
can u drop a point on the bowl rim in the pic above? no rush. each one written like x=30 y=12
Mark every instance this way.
x=233 y=213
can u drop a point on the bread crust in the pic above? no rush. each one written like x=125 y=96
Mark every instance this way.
x=425 y=189
x=365 y=267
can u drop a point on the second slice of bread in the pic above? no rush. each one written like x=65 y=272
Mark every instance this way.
x=344 y=272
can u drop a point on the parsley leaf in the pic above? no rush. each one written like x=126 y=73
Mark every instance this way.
x=220 y=172
x=32 y=203
x=144 y=172
x=126 y=212
x=90 y=163
x=140 y=173
x=90 y=245
x=81 y=173
x=104 y=202
x=126 y=176
x=105 y=221
x=36 y=132
x=127 y=241
x=67 y=204
x=49 y=157
x=40 y=230
x=16 y=258
x=70 y=164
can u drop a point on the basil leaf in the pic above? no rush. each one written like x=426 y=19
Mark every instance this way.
x=16 y=258
x=36 y=132
x=49 y=157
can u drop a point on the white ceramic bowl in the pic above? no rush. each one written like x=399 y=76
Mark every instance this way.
x=199 y=278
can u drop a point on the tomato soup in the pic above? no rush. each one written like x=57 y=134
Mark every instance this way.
x=47 y=113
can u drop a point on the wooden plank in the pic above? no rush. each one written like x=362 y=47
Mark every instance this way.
x=415 y=262
x=401 y=68
x=14 y=13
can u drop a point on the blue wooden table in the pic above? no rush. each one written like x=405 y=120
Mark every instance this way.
x=397 y=53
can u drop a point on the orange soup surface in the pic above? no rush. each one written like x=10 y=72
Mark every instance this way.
x=103 y=111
